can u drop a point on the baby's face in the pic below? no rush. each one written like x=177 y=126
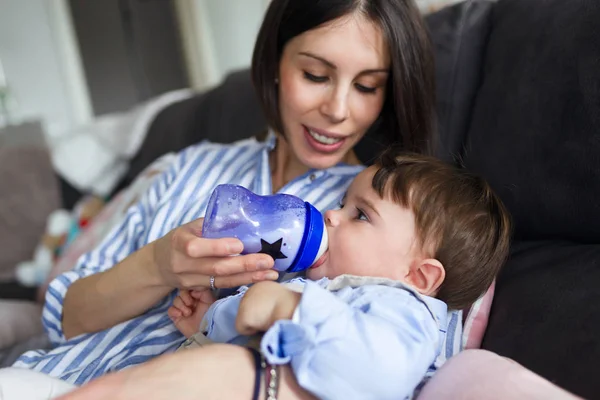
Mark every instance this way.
x=368 y=236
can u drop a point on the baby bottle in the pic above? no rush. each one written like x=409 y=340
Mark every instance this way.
x=287 y=228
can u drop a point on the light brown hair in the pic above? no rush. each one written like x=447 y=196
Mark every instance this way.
x=459 y=220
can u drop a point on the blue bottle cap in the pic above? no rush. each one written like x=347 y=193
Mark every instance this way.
x=314 y=241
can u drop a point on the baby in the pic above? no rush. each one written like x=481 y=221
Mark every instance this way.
x=413 y=237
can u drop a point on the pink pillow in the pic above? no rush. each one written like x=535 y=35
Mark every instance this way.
x=477 y=320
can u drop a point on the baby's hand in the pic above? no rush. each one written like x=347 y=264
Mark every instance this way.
x=262 y=305
x=189 y=308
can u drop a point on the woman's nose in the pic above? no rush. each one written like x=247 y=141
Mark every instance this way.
x=335 y=108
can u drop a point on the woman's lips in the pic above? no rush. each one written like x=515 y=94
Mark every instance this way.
x=322 y=147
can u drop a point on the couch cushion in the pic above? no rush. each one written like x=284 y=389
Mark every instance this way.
x=535 y=131
x=459 y=35
x=28 y=194
x=546 y=313
x=224 y=114
x=20 y=321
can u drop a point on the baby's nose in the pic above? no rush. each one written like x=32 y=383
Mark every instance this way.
x=331 y=218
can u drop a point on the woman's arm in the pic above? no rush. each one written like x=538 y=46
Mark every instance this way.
x=181 y=259
x=123 y=277
x=103 y=300
x=216 y=372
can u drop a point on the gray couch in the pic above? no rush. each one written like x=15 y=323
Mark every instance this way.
x=519 y=103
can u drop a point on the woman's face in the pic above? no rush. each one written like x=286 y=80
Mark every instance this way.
x=332 y=82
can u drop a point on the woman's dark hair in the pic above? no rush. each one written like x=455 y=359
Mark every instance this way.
x=407 y=117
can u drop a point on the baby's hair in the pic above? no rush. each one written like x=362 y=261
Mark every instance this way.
x=460 y=221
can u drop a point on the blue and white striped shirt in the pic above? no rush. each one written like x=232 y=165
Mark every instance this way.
x=177 y=196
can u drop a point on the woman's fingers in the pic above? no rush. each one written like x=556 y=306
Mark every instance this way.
x=229 y=281
x=194 y=246
x=188 y=261
x=221 y=266
x=236 y=265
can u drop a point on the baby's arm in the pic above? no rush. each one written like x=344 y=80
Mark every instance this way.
x=378 y=346
x=189 y=308
x=264 y=304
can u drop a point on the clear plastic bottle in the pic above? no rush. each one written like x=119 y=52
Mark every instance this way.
x=287 y=228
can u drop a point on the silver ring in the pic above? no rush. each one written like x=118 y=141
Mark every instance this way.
x=212 y=282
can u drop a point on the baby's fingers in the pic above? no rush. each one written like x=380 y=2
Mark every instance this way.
x=174 y=313
x=186 y=297
x=180 y=305
x=203 y=295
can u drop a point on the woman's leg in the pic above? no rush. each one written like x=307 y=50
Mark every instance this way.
x=212 y=372
x=481 y=374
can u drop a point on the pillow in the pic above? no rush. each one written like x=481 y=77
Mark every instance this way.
x=112 y=214
x=29 y=192
x=21 y=320
x=477 y=319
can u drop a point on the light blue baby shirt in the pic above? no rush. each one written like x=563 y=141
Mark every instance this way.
x=350 y=337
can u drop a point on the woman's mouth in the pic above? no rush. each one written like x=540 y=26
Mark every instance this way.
x=322 y=142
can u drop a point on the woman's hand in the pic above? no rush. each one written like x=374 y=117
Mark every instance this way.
x=181 y=259
x=185 y=260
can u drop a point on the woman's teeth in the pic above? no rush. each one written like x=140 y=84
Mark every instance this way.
x=323 y=139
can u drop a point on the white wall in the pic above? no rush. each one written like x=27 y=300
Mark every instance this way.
x=41 y=63
x=218 y=36
x=43 y=68
x=234 y=25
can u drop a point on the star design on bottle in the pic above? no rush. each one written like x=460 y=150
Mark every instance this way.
x=272 y=249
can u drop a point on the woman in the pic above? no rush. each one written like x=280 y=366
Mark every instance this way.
x=327 y=71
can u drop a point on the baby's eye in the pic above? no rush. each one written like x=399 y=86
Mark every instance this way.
x=341 y=204
x=361 y=215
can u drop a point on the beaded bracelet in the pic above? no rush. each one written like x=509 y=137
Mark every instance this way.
x=271 y=379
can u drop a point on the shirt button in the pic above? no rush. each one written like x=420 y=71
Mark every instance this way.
x=312 y=177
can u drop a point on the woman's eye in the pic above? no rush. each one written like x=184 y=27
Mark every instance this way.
x=315 y=78
x=365 y=89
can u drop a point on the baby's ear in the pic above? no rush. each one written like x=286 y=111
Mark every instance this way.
x=427 y=276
